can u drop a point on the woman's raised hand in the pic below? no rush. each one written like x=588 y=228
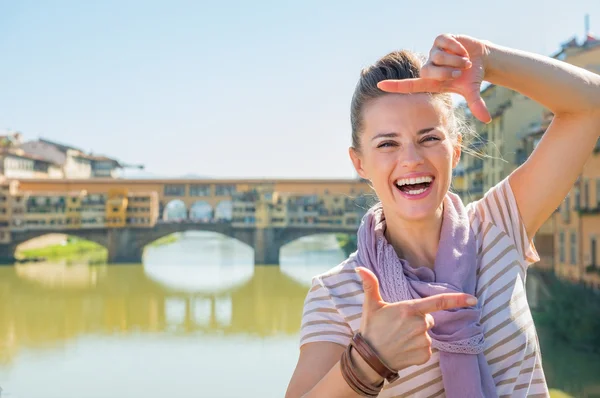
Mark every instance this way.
x=398 y=331
x=456 y=64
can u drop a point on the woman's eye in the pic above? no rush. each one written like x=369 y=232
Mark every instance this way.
x=430 y=138
x=386 y=144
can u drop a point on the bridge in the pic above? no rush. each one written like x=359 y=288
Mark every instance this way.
x=201 y=198
x=263 y=214
x=126 y=245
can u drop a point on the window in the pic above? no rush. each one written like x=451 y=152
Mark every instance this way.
x=586 y=194
x=577 y=201
x=566 y=209
x=593 y=260
x=561 y=246
x=226 y=190
x=573 y=248
x=199 y=190
x=174 y=190
x=597 y=192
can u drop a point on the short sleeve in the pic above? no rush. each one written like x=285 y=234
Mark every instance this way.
x=321 y=320
x=499 y=207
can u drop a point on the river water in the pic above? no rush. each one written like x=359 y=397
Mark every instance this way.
x=197 y=319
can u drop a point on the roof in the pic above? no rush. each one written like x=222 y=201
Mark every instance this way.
x=60 y=146
x=588 y=43
x=21 y=154
x=81 y=154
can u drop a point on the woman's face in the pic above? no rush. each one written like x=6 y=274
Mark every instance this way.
x=407 y=154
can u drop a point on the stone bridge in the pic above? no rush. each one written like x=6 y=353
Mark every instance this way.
x=126 y=245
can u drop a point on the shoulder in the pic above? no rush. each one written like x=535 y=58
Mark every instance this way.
x=337 y=277
x=496 y=204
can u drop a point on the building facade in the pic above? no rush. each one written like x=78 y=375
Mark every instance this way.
x=567 y=242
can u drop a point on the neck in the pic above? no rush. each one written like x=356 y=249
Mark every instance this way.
x=415 y=241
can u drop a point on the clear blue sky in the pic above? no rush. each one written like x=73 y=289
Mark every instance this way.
x=230 y=89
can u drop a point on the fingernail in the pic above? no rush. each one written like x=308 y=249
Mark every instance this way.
x=471 y=301
x=456 y=73
x=468 y=62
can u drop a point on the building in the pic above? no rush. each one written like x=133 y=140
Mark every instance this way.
x=577 y=228
x=74 y=162
x=496 y=145
x=262 y=208
x=75 y=209
x=15 y=163
x=569 y=238
x=567 y=242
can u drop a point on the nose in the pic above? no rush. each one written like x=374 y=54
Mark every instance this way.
x=411 y=157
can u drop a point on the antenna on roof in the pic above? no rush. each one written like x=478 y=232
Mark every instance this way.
x=587 y=25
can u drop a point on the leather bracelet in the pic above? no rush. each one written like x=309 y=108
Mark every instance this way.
x=370 y=356
x=354 y=381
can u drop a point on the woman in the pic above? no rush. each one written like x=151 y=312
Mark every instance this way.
x=432 y=304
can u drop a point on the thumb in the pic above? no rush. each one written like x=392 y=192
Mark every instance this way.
x=478 y=107
x=373 y=298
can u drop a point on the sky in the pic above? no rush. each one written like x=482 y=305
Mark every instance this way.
x=232 y=89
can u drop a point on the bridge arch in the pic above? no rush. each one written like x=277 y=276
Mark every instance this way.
x=224 y=211
x=165 y=229
x=201 y=211
x=175 y=210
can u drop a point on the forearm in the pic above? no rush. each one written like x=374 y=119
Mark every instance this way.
x=333 y=384
x=562 y=88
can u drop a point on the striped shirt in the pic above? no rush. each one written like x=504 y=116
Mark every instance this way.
x=333 y=306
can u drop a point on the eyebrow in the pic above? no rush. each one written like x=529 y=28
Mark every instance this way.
x=391 y=135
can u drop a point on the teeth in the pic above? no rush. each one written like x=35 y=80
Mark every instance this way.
x=416 y=191
x=406 y=181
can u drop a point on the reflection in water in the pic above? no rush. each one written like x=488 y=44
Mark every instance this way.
x=174 y=326
x=222 y=265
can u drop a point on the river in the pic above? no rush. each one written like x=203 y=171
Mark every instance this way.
x=197 y=319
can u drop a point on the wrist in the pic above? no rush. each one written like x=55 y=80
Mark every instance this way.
x=490 y=57
x=365 y=370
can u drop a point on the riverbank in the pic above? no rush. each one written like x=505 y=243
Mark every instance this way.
x=72 y=247
x=56 y=246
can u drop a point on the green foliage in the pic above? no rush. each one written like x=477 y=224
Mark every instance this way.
x=572 y=313
x=347 y=242
x=73 y=248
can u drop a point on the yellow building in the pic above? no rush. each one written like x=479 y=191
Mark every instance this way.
x=142 y=209
x=292 y=209
x=72 y=210
x=497 y=143
x=576 y=224
x=578 y=228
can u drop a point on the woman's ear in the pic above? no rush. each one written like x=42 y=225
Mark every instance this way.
x=355 y=156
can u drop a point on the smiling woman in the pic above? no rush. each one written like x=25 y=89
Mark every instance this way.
x=433 y=302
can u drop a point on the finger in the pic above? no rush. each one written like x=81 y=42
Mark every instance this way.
x=449 y=43
x=407 y=86
x=440 y=73
x=442 y=58
x=444 y=301
x=479 y=109
x=429 y=320
x=373 y=298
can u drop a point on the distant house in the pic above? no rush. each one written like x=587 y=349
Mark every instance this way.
x=15 y=163
x=75 y=163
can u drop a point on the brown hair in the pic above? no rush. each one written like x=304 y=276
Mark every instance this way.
x=395 y=65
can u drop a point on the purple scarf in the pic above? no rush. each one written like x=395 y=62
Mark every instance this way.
x=457 y=333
